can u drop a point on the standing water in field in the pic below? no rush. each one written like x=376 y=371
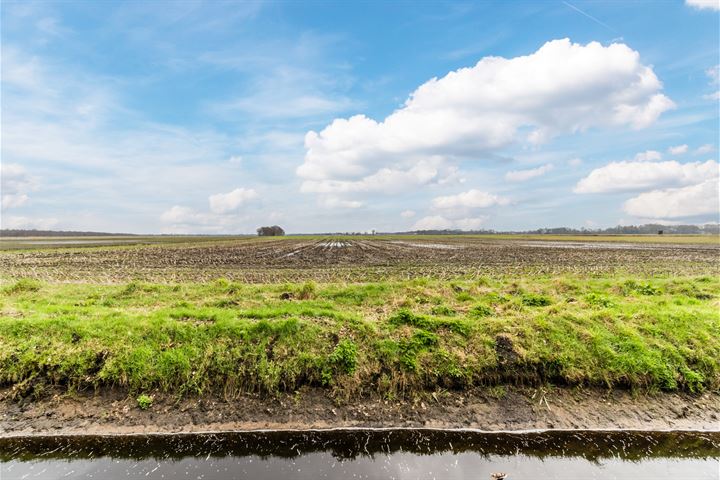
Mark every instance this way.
x=362 y=454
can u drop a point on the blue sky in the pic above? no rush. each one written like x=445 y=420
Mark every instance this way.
x=218 y=117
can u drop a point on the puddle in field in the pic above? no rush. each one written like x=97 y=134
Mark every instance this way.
x=390 y=454
x=593 y=245
x=334 y=244
x=436 y=246
x=53 y=243
x=56 y=242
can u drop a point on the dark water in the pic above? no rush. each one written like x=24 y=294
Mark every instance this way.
x=396 y=454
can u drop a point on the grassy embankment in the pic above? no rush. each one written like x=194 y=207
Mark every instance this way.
x=392 y=338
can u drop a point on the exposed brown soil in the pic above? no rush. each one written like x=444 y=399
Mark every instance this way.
x=114 y=412
x=294 y=259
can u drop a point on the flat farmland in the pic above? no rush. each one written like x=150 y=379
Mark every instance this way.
x=353 y=258
x=344 y=318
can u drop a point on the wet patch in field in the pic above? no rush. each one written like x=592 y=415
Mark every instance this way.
x=436 y=246
x=360 y=259
x=334 y=244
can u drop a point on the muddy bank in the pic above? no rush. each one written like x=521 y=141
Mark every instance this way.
x=115 y=412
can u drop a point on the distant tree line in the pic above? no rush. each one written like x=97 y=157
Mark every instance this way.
x=7 y=232
x=273 y=231
x=451 y=232
x=647 y=229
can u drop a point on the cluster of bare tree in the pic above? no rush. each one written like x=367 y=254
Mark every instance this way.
x=273 y=231
x=647 y=229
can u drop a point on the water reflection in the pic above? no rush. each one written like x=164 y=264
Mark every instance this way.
x=406 y=454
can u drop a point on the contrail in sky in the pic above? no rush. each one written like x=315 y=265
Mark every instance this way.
x=590 y=17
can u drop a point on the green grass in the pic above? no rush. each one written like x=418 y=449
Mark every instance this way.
x=144 y=401
x=392 y=338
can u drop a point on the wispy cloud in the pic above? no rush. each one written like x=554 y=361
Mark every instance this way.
x=523 y=175
x=285 y=79
x=704 y=4
x=88 y=139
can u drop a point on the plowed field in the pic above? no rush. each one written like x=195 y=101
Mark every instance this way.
x=358 y=258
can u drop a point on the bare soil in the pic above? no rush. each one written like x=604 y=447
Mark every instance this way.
x=264 y=261
x=114 y=412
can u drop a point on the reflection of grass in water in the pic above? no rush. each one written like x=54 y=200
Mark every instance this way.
x=593 y=446
x=392 y=337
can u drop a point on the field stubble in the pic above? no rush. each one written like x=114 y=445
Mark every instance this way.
x=353 y=259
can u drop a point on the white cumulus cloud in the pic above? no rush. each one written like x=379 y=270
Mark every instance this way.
x=470 y=199
x=386 y=180
x=563 y=87
x=222 y=217
x=14 y=185
x=433 y=222
x=639 y=176
x=231 y=201
x=714 y=74
x=333 y=201
x=523 y=175
x=704 y=149
x=678 y=149
x=182 y=219
x=14 y=200
x=439 y=222
x=704 y=4
x=179 y=215
x=25 y=223
x=690 y=201
x=407 y=213
x=470 y=223
x=648 y=156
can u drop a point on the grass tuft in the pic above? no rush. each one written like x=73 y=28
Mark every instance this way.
x=144 y=401
x=23 y=285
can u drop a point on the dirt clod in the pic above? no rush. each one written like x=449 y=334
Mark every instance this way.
x=505 y=350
